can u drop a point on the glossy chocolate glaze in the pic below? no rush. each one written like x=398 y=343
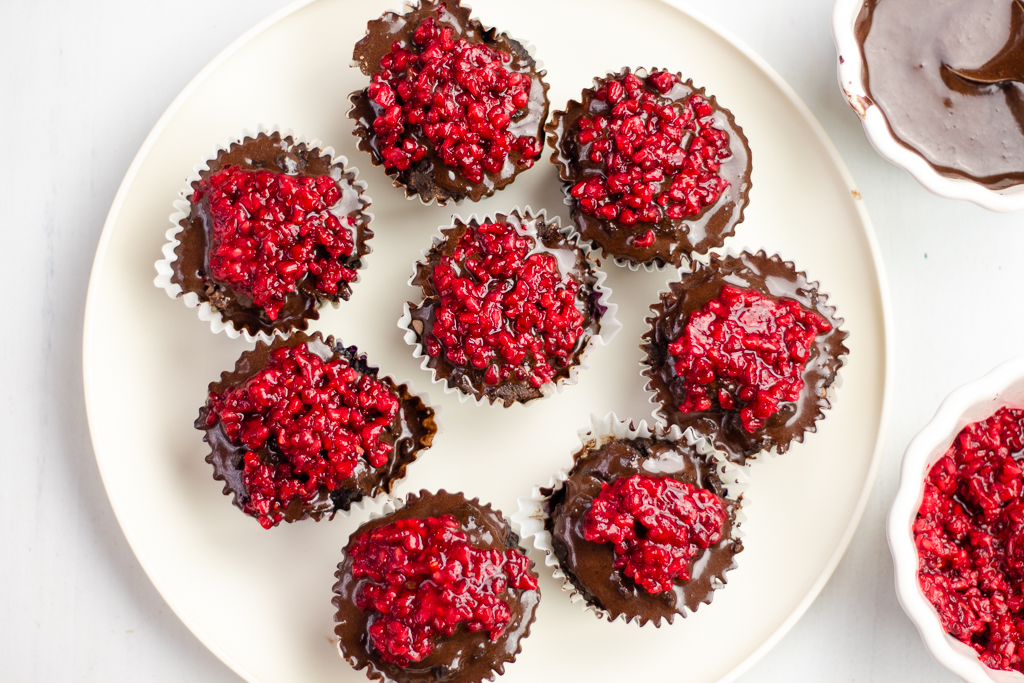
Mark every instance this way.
x=412 y=431
x=674 y=240
x=961 y=128
x=430 y=178
x=777 y=279
x=589 y=565
x=280 y=155
x=467 y=657
x=468 y=379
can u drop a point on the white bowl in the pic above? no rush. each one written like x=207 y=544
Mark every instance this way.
x=851 y=80
x=972 y=402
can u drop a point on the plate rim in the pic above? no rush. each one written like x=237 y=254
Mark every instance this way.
x=697 y=16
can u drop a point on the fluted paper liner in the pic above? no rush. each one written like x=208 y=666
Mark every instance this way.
x=532 y=515
x=495 y=668
x=183 y=208
x=477 y=191
x=608 y=325
x=823 y=402
x=383 y=490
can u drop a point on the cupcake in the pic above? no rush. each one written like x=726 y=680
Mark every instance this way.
x=654 y=169
x=642 y=525
x=743 y=350
x=453 y=110
x=273 y=227
x=305 y=428
x=437 y=590
x=510 y=306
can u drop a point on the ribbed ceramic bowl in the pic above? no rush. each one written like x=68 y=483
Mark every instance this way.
x=1003 y=386
x=851 y=80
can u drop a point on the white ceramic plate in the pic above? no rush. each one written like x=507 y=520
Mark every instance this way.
x=261 y=600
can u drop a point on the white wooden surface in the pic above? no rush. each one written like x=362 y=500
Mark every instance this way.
x=81 y=84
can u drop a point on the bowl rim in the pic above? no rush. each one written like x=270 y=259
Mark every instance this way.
x=881 y=137
x=988 y=393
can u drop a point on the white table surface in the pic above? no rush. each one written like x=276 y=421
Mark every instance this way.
x=81 y=84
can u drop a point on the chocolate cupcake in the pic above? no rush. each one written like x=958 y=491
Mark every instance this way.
x=654 y=169
x=270 y=229
x=510 y=306
x=743 y=351
x=305 y=428
x=453 y=110
x=642 y=526
x=467 y=599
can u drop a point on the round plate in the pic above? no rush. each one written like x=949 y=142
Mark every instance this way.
x=261 y=600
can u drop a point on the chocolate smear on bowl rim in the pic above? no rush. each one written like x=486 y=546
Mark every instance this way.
x=776 y=279
x=412 y=431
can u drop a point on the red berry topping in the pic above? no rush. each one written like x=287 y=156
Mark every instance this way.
x=657 y=525
x=969 y=534
x=321 y=419
x=425 y=579
x=745 y=350
x=650 y=157
x=269 y=230
x=505 y=307
x=457 y=95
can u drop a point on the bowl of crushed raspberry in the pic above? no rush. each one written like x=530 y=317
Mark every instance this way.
x=956 y=529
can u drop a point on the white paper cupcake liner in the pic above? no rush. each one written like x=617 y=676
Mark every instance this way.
x=609 y=324
x=380 y=497
x=531 y=517
x=729 y=251
x=183 y=207
x=531 y=50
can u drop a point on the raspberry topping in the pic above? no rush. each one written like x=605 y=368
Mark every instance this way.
x=504 y=308
x=269 y=230
x=320 y=420
x=657 y=525
x=425 y=579
x=650 y=157
x=457 y=95
x=969 y=533
x=745 y=350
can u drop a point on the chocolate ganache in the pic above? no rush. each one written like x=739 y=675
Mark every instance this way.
x=946 y=75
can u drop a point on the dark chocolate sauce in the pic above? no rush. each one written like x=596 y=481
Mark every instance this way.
x=467 y=657
x=430 y=178
x=411 y=432
x=963 y=129
x=674 y=240
x=777 y=279
x=191 y=269
x=589 y=565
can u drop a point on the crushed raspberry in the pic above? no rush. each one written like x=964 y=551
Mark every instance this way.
x=270 y=229
x=649 y=157
x=745 y=350
x=320 y=418
x=425 y=579
x=459 y=96
x=657 y=525
x=969 y=533
x=503 y=308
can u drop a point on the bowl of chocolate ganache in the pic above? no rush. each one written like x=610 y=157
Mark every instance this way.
x=939 y=88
